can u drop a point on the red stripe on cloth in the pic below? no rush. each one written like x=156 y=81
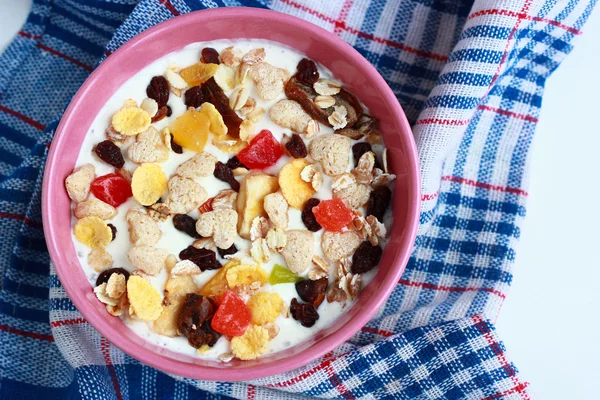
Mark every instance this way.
x=457 y=122
x=458 y=289
x=517 y=389
x=376 y=331
x=495 y=346
x=24 y=118
x=341 y=21
x=251 y=393
x=442 y=121
x=496 y=11
x=32 y=335
x=508 y=113
x=65 y=322
x=368 y=36
x=66 y=57
x=19 y=217
x=29 y=35
x=169 y=6
x=337 y=383
x=327 y=359
x=426 y=197
x=105 y=348
x=483 y=185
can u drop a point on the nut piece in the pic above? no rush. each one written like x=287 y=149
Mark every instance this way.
x=199 y=166
x=353 y=194
x=254 y=56
x=225 y=77
x=319 y=269
x=324 y=101
x=247 y=129
x=276 y=208
x=332 y=151
x=260 y=251
x=220 y=224
x=150 y=106
x=78 y=183
x=269 y=80
x=149 y=259
x=338 y=118
x=224 y=199
x=185 y=268
x=327 y=87
x=276 y=239
x=299 y=250
x=339 y=245
x=377 y=229
x=143 y=230
x=239 y=98
x=184 y=195
x=100 y=259
x=289 y=114
x=259 y=228
x=364 y=169
x=94 y=208
x=175 y=81
x=150 y=146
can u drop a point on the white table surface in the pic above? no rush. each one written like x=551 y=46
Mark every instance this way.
x=550 y=321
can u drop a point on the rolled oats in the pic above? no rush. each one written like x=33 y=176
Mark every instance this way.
x=276 y=239
x=225 y=77
x=231 y=56
x=324 y=101
x=185 y=268
x=260 y=251
x=239 y=98
x=381 y=178
x=100 y=292
x=254 y=56
x=226 y=198
x=364 y=169
x=256 y=114
x=327 y=87
x=248 y=107
x=337 y=119
x=319 y=269
x=247 y=130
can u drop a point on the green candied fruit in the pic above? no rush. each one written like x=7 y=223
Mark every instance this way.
x=281 y=274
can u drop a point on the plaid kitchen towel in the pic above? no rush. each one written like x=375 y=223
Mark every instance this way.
x=470 y=75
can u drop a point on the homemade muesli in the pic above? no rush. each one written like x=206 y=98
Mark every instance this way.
x=233 y=204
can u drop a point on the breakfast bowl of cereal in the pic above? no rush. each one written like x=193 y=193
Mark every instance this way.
x=231 y=202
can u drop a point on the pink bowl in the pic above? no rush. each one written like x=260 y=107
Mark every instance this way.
x=231 y=23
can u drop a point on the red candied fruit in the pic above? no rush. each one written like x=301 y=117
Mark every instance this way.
x=233 y=315
x=112 y=189
x=262 y=152
x=333 y=215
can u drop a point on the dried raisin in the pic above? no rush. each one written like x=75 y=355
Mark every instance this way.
x=379 y=200
x=193 y=97
x=304 y=313
x=160 y=114
x=175 y=147
x=205 y=259
x=296 y=147
x=234 y=163
x=308 y=217
x=113 y=229
x=227 y=252
x=169 y=111
x=186 y=224
x=210 y=56
x=312 y=291
x=110 y=153
x=194 y=320
x=158 y=89
x=365 y=258
x=307 y=72
x=105 y=275
x=225 y=174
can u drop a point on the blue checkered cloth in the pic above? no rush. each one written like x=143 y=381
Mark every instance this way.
x=470 y=76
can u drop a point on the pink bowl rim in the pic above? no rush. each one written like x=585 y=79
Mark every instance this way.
x=324 y=345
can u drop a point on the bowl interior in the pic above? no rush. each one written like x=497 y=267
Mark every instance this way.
x=231 y=23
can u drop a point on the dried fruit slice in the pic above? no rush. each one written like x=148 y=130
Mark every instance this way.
x=250 y=200
x=215 y=95
x=295 y=190
x=93 y=232
x=217 y=126
x=130 y=121
x=312 y=291
x=245 y=275
x=217 y=285
x=190 y=130
x=264 y=150
x=198 y=73
x=148 y=183
x=252 y=344
x=144 y=300
x=265 y=307
x=232 y=318
x=280 y=274
x=112 y=189
x=333 y=215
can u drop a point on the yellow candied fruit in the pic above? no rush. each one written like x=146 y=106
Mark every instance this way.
x=295 y=190
x=93 y=232
x=252 y=344
x=148 y=183
x=217 y=126
x=265 y=307
x=217 y=285
x=190 y=130
x=130 y=121
x=203 y=349
x=245 y=275
x=144 y=300
x=198 y=73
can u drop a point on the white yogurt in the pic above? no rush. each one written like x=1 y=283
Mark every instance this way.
x=291 y=332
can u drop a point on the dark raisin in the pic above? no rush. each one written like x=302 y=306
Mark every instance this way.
x=186 y=224
x=105 y=275
x=110 y=153
x=312 y=291
x=379 y=200
x=160 y=114
x=365 y=258
x=234 y=163
x=307 y=72
x=210 y=56
x=304 y=313
x=308 y=217
x=169 y=111
x=296 y=147
x=175 y=147
x=194 y=320
x=359 y=149
x=193 y=97
x=224 y=173
x=158 y=89
x=205 y=259
x=113 y=230
x=227 y=252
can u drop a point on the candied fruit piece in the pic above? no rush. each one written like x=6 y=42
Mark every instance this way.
x=148 y=183
x=265 y=307
x=333 y=215
x=144 y=300
x=312 y=291
x=280 y=274
x=232 y=318
x=112 y=189
x=93 y=232
x=252 y=344
x=198 y=73
x=190 y=130
x=245 y=275
x=365 y=258
x=262 y=152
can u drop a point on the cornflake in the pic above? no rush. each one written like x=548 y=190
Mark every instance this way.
x=145 y=302
x=148 y=183
x=93 y=232
x=252 y=344
x=265 y=307
x=130 y=121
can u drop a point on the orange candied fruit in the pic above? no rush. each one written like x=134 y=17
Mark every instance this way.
x=199 y=73
x=191 y=129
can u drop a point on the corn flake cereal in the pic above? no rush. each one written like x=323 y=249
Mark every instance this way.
x=130 y=121
x=252 y=344
x=245 y=275
x=265 y=307
x=144 y=300
x=217 y=126
x=93 y=232
x=148 y=183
